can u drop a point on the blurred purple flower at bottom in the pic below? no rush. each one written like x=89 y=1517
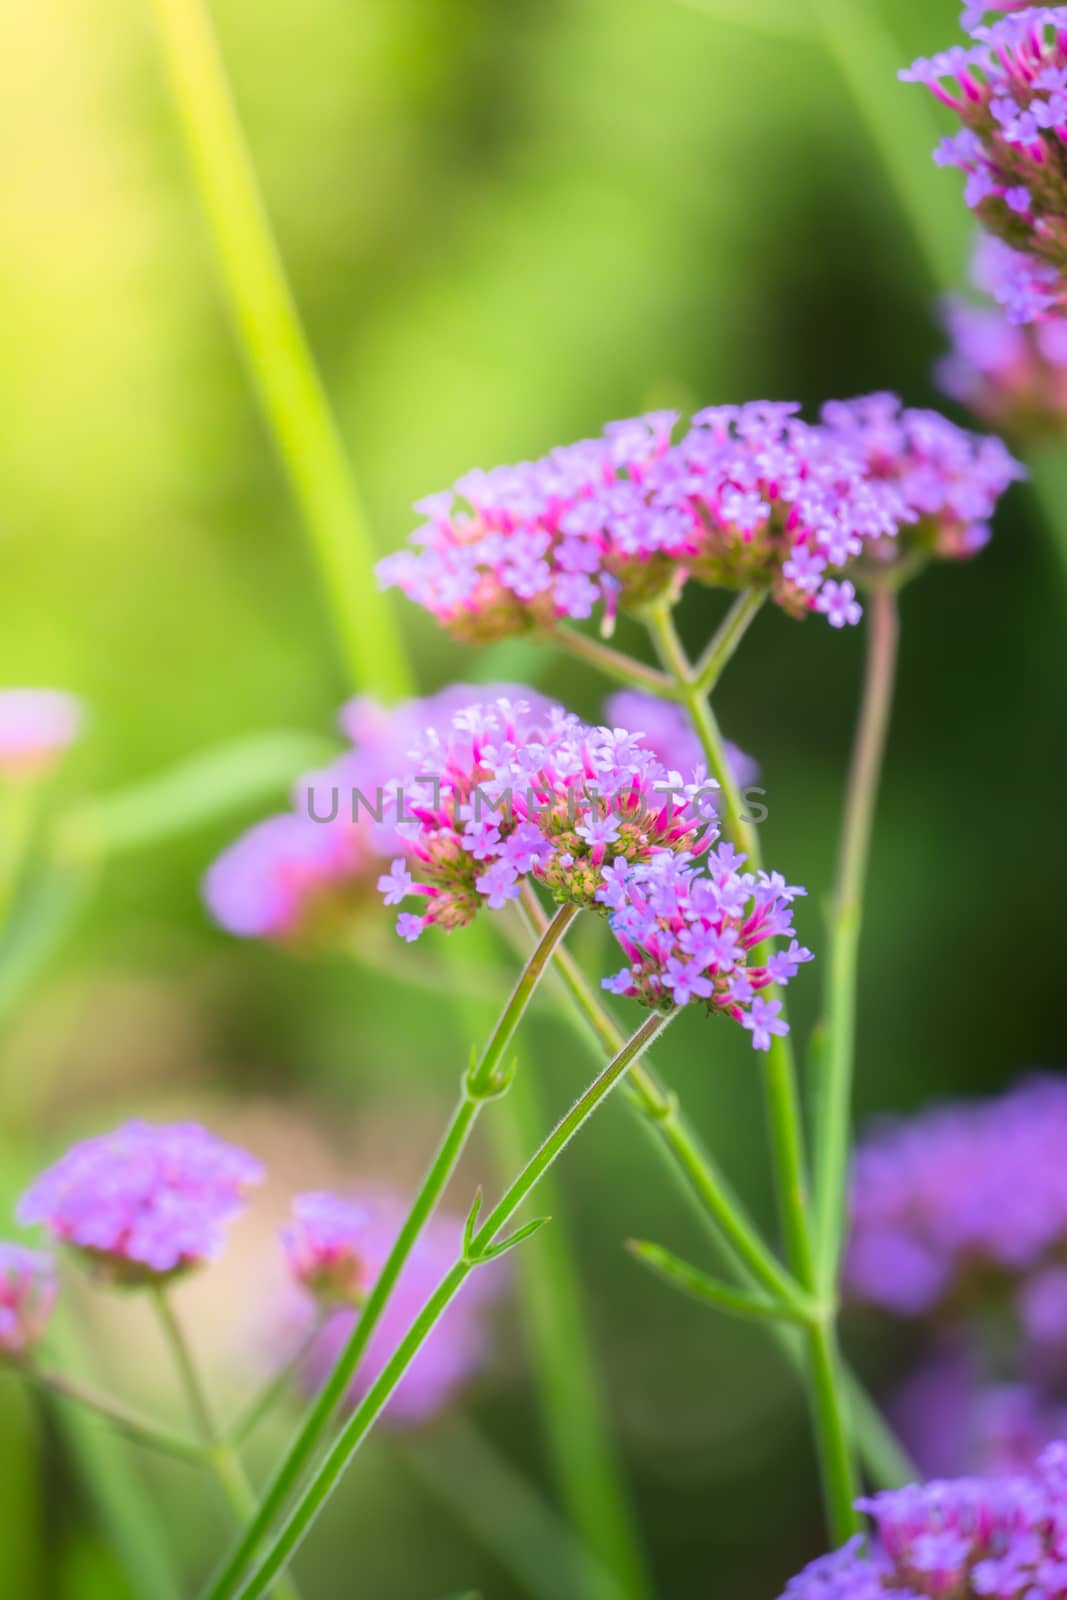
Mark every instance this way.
x=36 y=728
x=27 y=1295
x=144 y=1202
x=955 y=1539
x=456 y=1349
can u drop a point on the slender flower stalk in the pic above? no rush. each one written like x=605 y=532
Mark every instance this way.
x=218 y=1451
x=613 y=663
x=825 y=1388
x=727 y=637
x=142 y=1430
x=834 y=1083
x=883 y=1456
x=276 y=350
x=480 y=1246
x=485 y=1080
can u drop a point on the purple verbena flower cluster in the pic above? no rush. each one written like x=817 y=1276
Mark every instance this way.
x=963 y=1192
x=144 y=1202
x=27 y=1295
x=957 y=1539
x=663 y=727
x=460 y=1344
x=36 y=728
x=509 y=793
x=688 y=934
x=748 y=496
x=306 y=873
x=325 y=1248
x=1009 y=90
x=1014 y=377
x=950 y=479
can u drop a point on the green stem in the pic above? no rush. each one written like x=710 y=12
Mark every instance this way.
x=728 y=636
x=483 y=1081
x=18 y=814
x=785 y=1120
x=219 y=1452
x=885 y=1460
x=274 y=1390
x=834 y=1091
x=279 y=359
x=479 y=1248
x=659 y=1108
x=130 y=1423
x=725 y=1297
x=612 y=663
x=608 y=1561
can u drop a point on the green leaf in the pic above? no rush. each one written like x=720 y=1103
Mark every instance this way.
x=723 y=1296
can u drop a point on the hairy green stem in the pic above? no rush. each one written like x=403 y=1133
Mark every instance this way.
x=128 y=1422
x=479 y=1248
x=613 y=663
x=833 y=1091
x=727 y=637
x=484 y=1080
x=885 y=1460
x=219 y=1452
x=275 y=347
x=825 y=1387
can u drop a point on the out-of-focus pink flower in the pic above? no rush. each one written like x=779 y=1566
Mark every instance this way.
x=27 y=1295
x=37 y=726
x=144 y=1202
x=326 y=1248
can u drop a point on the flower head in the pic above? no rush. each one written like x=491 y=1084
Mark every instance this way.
x=955 y=1539
x=950 y=479
x=459 y=1343
x=1014 y=377
x=144 y=1202
x=689 y=932
x=325 y=1248
x=960 y=1192
x=747 y=496
x=36 y=728
x=1008 y=88
x=510 y=792
x=27 y=1295
x=308 y=872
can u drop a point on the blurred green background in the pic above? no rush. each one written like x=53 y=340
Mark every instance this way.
x=505 y=224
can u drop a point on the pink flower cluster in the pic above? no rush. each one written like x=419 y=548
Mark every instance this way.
x=509 y=792
x=308 y=872
x=27 y=1295
x=950 y=479
x=144 y=1202
x=325 y=1248
x=688 y=935
x=749 y=495
x=460 y=1343
x=1009 y=90
x=36 y=728
x=956 y=1539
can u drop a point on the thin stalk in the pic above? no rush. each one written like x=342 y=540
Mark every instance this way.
x=725 y=1297
x=659 y=1106
x=262 y=1404
x=786 y=1125
x=480 y=1247
x=884 y=1458
x=484 y=1080
x=613 y=663
x=834 y=1091
x=128 y=1422
x=727 y=637
x=608 y=1563
x=18 y=814
x=276 y=350
x=219 y=1452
